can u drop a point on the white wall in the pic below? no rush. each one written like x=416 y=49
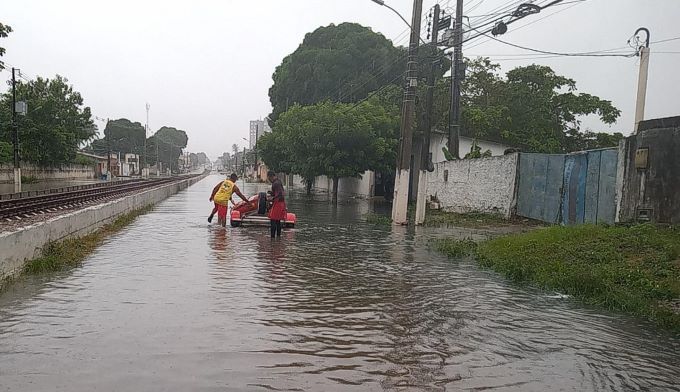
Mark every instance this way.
x=475 y=185
x=438 y=140
x=72 y=171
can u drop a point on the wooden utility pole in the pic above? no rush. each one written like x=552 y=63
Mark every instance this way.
x=426 y=158
x=401 y=180
x=456 y=78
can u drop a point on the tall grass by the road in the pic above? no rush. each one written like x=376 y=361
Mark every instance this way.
x=633 y=269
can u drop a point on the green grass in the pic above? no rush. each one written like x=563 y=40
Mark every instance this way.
x=633 y=269
x=29 y=180
x=455 y=247
x=438 y=218
x=71 y=252
x=378 y=219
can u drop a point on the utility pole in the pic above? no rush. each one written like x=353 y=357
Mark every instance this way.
x=257 y=169
x=108 y=152
x=456 y=77
x=642 y=81
x=426 y=163
x=401 y=180
x=146 y=134
x=15 y=135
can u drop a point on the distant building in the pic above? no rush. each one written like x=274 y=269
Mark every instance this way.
x=257 y=129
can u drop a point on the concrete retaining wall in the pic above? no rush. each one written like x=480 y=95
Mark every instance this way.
x=18 y=247
x=475 y=185
x=47 y=173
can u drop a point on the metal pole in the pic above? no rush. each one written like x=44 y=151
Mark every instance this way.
x=456 y=76
x=426 y=164
x=642 y=81
x=257 y=171
x=15 y=133
x=146 y=134
x=401 y=180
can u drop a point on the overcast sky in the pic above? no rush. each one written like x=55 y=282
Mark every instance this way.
x=206 y=66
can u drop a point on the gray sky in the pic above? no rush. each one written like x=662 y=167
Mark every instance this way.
x=206 y=66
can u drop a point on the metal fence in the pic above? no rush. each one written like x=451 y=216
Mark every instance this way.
x=568 y=189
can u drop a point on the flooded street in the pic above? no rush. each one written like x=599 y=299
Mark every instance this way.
x=172 y=303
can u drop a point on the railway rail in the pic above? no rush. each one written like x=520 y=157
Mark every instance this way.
x=29 y=206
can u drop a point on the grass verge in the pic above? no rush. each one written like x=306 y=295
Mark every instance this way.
x=634 y=269
x=438 y=218
x=71 y=252
x=378 y=219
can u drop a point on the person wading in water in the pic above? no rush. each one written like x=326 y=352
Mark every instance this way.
x=277 y=212
x=221 y=195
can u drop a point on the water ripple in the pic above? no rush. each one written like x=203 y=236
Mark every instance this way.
x=174 y=304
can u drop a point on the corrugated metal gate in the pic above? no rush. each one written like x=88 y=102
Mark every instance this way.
x=568 y=189
x=540 y=184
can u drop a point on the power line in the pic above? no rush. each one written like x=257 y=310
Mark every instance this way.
x=527 y=24
x=580 y=54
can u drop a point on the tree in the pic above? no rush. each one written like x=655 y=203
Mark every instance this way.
x=122 y=136
x=4 y=32
x=56 y=124
x=342 y=63
x=532 y=108
x=170 y=142
x=332 y=139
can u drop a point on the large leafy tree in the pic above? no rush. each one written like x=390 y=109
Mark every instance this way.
x=342 y=63
x=170 y=143
x=56 y=124
x=332 y=139
x=532 y=108
x=122 y=136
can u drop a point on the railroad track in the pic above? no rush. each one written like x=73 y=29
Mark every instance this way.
x=29 y=206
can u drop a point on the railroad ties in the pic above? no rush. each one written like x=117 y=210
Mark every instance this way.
x=27 y=207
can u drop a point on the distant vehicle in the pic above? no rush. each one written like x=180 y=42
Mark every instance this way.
x=255 y=211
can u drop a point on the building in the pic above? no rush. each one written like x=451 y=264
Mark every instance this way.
x=257 y=129
x=130 y=164
x=101 y=164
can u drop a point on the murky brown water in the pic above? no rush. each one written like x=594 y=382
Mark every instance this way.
x=172 y=304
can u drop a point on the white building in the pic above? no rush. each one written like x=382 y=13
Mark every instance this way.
x=257 y=129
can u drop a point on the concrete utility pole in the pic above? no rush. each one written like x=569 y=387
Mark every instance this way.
x=257 y=168
x=108 y=153
x=15 y=135
x=402 y=177
x=642 y=81
x=456 y=77
x=426 y=163
x=146 y=134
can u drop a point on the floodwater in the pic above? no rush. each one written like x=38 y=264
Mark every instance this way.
x=174 y=304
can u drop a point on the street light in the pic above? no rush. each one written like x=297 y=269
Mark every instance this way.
x=382 y=3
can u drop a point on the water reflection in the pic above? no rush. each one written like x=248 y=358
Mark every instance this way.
x=334 y=305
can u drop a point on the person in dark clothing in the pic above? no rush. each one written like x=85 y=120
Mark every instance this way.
x=277 y=212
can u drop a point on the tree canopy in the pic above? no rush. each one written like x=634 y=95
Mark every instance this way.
x=341 y=62
x=56 y=124
x=4 y=32
x=122 y=136
x=170 y=141
x=532 y=108
x=332 y=139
